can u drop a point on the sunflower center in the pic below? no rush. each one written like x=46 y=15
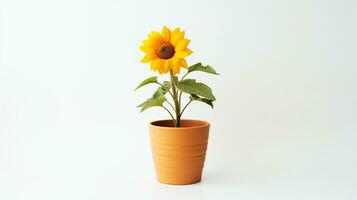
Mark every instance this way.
x=166 y=51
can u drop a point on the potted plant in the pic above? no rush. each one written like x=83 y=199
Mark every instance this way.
x=178 y=145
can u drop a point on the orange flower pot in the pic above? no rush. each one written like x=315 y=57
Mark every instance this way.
x=179 y=153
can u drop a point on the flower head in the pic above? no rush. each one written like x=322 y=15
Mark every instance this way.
x=166 y=50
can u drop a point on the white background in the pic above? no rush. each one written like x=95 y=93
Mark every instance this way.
x=284 y=124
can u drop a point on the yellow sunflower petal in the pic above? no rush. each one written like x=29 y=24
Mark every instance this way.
x=166 y=33
x=148 y=58
x=183 y=54
x=175 y=65
x=176 y=70
x=147 y=49
x=154 y=64
x=181 y=45
x=151 y=43
x=183 y=63
x=156 y=36
x=177 y=36
x=161 y=67
x=176 y=30
x=167 y=65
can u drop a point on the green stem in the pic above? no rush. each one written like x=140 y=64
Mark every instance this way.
x=185 y=75
x=173 y=119
x=169 y=90
x=180 y=94
x=177 y=103
x=171 y=105
x=185 y=107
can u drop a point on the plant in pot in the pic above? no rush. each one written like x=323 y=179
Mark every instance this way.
x=178 y=145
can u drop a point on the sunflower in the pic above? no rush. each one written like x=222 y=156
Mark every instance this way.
x=166 y=51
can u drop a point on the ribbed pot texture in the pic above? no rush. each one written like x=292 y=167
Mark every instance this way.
x=179 y=153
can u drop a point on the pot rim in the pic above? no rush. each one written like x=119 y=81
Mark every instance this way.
x=205 y=124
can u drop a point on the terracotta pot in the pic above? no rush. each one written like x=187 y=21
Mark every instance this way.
x=179 y=153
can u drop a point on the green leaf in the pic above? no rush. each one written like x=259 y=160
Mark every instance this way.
x=162 y=90
x=152 y=102
x=190 y=86
x=147 y=81
x=200 y=67
x=197 y=98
